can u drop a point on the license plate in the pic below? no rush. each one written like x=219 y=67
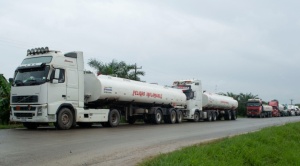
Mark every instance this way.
x=23 y=119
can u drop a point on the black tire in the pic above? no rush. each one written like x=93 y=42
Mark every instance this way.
x=233 y=115
x=196 y=117
x=179 y=117
x=31 y=126
x=113 y=118
x=157 y=117
x=214 y=116
x=85 y=124
x=227 y=115
x=65 y=119
x=209 y=116
x=131 y=120
x=172 y=117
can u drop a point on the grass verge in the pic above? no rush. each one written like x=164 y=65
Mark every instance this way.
x=11 y=126
x=277 y=145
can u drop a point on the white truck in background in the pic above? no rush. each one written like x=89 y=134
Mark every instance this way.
x=50 y=86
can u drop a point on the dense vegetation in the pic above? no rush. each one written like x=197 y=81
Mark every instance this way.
x=271 y=146
x=4 y=100
x=118 y=69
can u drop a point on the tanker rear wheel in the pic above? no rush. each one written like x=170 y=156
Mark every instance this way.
x=227 y=115
x=214 y=116
x=157 y=117
x=209 y=116
x=233 y=115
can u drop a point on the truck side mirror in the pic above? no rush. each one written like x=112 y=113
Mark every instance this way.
x=57 y=73
x=11 y=80
x=55 y=76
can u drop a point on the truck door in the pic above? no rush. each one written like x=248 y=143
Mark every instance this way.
x=72 y=86
x=56 y=91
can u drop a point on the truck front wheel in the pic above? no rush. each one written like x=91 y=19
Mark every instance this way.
x=196 y=116
x=64 y=119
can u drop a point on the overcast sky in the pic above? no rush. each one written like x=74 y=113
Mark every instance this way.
x=230 y=45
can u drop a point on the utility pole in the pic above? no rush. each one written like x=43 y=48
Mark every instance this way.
x=135 y=70
x=291 y=101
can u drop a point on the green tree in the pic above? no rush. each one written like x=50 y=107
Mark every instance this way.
x=4 y=100
x=115 y=68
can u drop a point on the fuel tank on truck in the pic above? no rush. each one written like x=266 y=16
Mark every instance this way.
x=280 y=107
x=215 y=101
x=267 y=108
x=108 y=88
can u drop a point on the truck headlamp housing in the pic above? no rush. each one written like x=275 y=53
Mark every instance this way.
x=39 y=111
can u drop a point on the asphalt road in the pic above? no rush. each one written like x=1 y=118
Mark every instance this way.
x=124 y=145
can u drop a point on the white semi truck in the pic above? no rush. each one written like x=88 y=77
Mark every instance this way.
x=50 y=86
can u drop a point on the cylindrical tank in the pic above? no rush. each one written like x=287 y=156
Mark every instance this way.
x=119 y=89
x=280 y=107
x=212 y=100
x=267 y=108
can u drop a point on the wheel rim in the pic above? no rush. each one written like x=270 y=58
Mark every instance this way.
x=196 y=116
x=65 y=119
x=173 y=116
x=114 y=118
x=158 y=116
x=179 y=117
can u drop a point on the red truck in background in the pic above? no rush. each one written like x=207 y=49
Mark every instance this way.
x=277 y=108
x=255 y=108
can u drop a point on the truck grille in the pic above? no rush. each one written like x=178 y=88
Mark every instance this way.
x=24 y=108
x=26 y=115
x=24 y=99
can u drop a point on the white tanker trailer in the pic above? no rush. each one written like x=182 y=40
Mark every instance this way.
x=52 y=87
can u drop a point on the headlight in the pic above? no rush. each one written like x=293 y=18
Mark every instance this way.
x=39 y=111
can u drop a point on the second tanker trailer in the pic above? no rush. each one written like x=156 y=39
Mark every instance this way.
x=50 y=86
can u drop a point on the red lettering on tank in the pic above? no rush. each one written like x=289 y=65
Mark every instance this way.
x=147 y=94
x=224 y=102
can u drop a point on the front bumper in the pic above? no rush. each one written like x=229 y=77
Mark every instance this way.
x=31 y=113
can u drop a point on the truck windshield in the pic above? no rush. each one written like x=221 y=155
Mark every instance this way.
x=33 y=76
x=189 y=94
x=43 y=59
x=251 y=104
